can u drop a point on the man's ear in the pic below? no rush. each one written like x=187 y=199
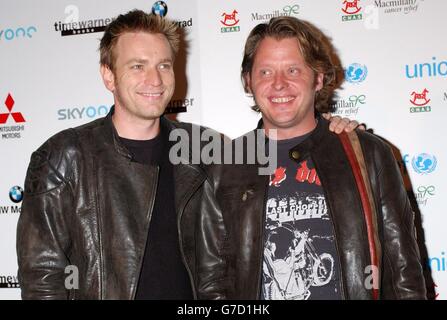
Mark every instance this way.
x=319 y=81
x=247 y=83
x=107 y=77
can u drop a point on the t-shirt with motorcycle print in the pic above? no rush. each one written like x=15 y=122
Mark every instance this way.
x=300 y=256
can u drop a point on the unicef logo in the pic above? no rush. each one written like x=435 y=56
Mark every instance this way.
x=424 y=163
x=16 y=194
x=160 y=8
x=356 y=73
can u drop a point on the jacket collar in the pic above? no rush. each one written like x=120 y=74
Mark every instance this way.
x=166 y=126
x=302 y=150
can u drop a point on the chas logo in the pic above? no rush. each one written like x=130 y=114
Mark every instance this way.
x=352 y=10
x=420 y=101
x=230 y=22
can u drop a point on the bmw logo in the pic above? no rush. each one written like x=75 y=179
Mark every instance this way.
x=160 y=8
x=16 y=194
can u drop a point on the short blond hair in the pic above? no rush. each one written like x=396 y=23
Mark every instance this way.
x=133 y=21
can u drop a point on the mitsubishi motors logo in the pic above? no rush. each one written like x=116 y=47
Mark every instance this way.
x=17 y=116
x=11 y=131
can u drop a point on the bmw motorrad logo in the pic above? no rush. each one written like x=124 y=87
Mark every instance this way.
x=16 y=194
x=160 y=8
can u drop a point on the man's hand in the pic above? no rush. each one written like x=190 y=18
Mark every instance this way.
x=338 y=124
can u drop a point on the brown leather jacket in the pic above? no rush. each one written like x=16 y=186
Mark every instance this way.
x=241 y=193
x=87 y=204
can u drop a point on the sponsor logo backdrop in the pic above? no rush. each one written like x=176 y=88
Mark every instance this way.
x=395 y=69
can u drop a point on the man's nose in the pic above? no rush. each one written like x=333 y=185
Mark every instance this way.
x=153 y=77
x=279 y=81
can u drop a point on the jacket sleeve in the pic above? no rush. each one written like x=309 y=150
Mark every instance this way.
x=211 y=239
x=42 y=233
x=402 y=276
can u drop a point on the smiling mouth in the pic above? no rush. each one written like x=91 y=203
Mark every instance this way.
x=282 y=99
x=150 y=94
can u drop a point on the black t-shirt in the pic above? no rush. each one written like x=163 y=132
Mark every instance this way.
x=163 y=274
x=300 y=255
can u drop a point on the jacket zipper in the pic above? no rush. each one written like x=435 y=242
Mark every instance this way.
x=261 y=246
x=146 y=230
x=342 y=278
x=179 y=218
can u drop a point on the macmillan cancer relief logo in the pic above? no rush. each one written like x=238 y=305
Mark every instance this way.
x=16 y=117
x=424 y=163
x=287 y=11
x=393 y=6
x=423 y=193
x=420 y=101
x=72 y=24
x=349 y=106
x=230 y=21
x=351 y=10
x=356 y=73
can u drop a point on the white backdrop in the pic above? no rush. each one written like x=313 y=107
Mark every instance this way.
x=395 y=52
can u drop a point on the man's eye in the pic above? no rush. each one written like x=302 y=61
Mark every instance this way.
x=265 y=72
x=137 y=66
x=293 y=70
x=165 y=66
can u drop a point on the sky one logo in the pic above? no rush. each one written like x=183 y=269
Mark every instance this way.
x=9 y=282
x=427 y=69
x=20 y=32
x=82 y=113
x=356 y=73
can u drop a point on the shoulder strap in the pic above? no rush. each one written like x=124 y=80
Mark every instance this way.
x=353 y=150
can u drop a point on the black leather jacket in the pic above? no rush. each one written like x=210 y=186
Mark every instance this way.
x=87 y=204
x=241 y=193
